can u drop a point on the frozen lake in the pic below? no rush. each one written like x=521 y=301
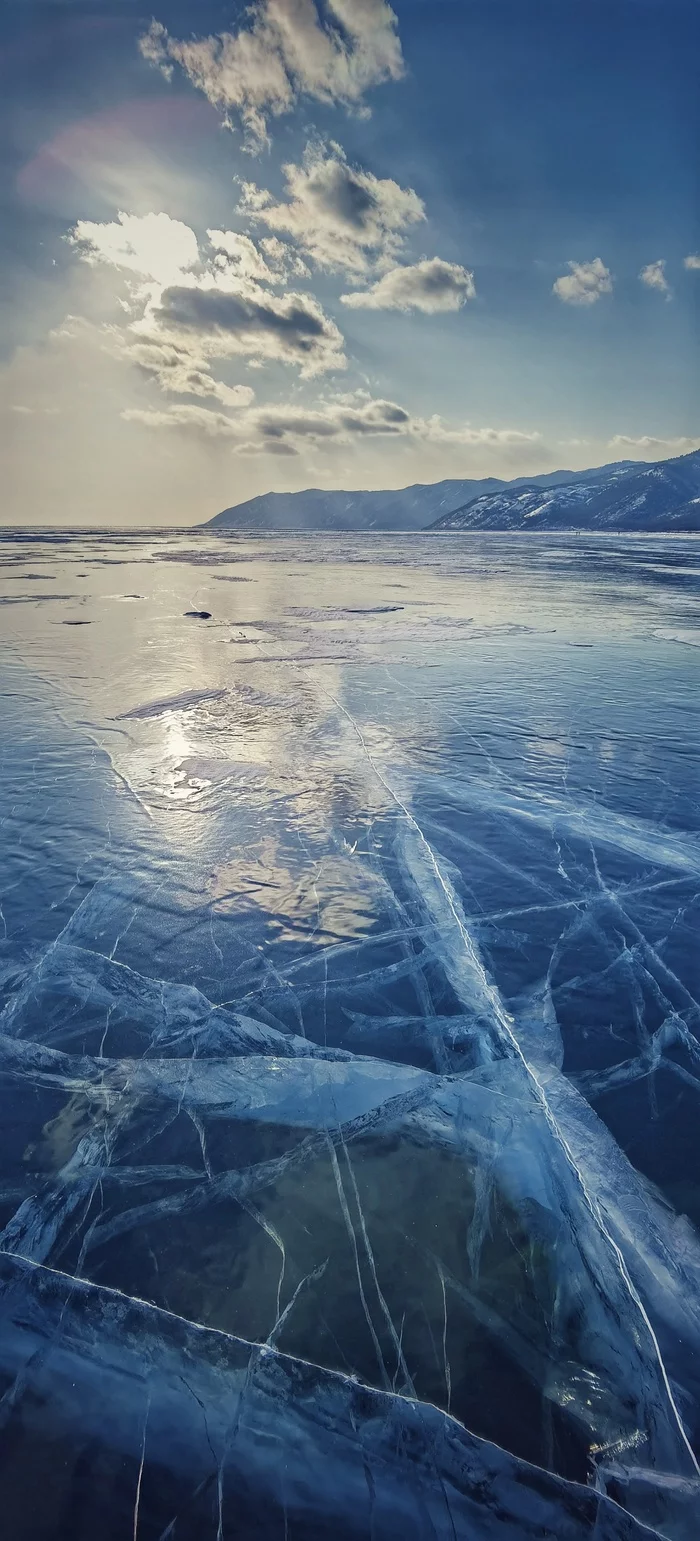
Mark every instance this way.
x=350 y=1037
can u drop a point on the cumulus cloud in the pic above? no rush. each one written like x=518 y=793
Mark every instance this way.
x=584 y=283
x=249 y=320
x=194 y=309
x=284 y=50
x=153 y=245
x=692 y=262
x=654 y=276
x=271 y=261
x=343 y=218
x=431 y=286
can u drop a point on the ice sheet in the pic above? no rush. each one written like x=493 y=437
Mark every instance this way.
x=350 y=1038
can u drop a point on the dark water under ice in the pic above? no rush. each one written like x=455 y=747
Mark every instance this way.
x=349 y=1038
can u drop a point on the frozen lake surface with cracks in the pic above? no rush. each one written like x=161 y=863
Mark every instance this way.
x=349 y=1038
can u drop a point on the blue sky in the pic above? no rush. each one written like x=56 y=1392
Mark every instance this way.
x=478 y=260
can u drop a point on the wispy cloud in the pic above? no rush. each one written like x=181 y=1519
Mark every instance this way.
x=179 y=371
x=430 y=286
x=692 y=262
x=183 y=416
x=341 y=419
x=650 y=447
x=286 y=49
x=280 y=429
x=344 y=219
x=654 y=277
x=584 y=283
x=439 y=432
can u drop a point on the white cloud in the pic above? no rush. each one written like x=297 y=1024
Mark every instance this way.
x=342 y=418
x=283 y=260
x=283 y=429
x=270 y=261
x=584 y=283
x=649 y=446
x=654 y=276
x=285 y=50
x=692 y=262
x=343 y=218
x=431 y=286
x=242 y=318
x=437 y=431
x=178 y=371
x=346 y=419
x=183 y=318
x=183 y=416
x=279 y=429
x=153 y=245
x=88 y=463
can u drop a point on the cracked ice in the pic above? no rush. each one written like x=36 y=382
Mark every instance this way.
x=350 y=1040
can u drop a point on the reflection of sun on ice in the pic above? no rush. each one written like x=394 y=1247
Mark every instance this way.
x=176 y=742
x=334 y=896
x=195 y=774
x=177 y=765
x=185 y=773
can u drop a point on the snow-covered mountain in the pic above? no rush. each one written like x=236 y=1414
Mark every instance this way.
x=627 y=495
x=410 y=508
x=662 y=496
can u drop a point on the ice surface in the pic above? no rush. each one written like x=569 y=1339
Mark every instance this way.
x=350 y=1040
x=190 y=1433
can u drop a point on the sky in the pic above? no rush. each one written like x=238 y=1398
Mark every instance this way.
x=341 y=244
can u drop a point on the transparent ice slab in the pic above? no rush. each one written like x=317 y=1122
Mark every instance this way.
x=169 y=1429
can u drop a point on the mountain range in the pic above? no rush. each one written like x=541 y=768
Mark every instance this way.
x=663 y=495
